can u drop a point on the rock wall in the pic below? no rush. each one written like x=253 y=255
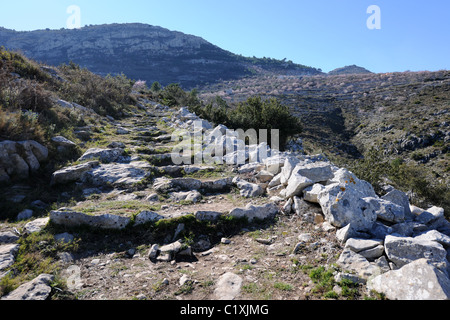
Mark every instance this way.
x=20 y=159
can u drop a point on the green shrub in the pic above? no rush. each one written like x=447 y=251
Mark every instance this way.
x=173 y=95
x=256 y=113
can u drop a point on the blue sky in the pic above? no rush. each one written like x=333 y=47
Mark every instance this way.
x=327 y=34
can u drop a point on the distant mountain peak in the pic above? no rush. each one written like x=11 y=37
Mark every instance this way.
x=353 y=69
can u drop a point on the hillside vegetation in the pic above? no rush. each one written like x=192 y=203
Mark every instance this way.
x=33 y=96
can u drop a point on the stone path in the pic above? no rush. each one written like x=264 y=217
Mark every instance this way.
x=320 y=212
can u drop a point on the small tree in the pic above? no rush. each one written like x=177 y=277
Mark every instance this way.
x=256 y=113
x=156 y=87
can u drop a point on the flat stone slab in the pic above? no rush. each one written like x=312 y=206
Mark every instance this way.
x=418 y=280
x=37 y=289
x=228 y=286
x=7 y=255
x=74 y=219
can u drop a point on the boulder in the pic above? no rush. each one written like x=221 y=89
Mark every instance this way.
x=207 y=215
x=215 y=134
x=316 y=171
x=296 y=184
x=117 y=175
x=186 y=184
x=26 y=150
x=418 y=280
x=39 y=151
x=163 y=185
x=37 y=289
x=399 y=198
x=247 y=189
x=264 y=176
x=289 y=164
x=347 y=232
x=7 y=255
x=237 y=157
x=250 y=168
x=63 y=142
x=255 y=212
x=352 y=261
x=311 y=193
x=219 y=185
x=19 y=168
x=428 y=216
x=146 y=216
x=349 y=180
x=342 y=205
x=64 y=237
x=122 y=131
x=170 y=251
x=276 y=181
x=403 y=250
x=69 y=218
x=18 y=159
x=274 y=164
x=104 y=155
x=72 y=174
x=370 y=249
x=386 y=210
x=184 y=114
x=36 y=225
x=193 y=196
x=8 y=237
x=224 y=144
x=407 y=228
x=434 y=235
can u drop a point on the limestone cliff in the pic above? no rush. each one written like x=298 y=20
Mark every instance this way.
x=142 y=52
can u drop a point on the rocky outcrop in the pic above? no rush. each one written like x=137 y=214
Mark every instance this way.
x=20 y=159
x=37 y=289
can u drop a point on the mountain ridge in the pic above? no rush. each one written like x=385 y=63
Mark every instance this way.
x=144 y=52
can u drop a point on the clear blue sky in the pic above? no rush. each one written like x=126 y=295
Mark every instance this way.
x=327 y=34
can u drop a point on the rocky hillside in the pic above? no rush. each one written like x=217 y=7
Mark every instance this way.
x=143 y=52
x=405 y=116
x=278 y=226
x=100 y=208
